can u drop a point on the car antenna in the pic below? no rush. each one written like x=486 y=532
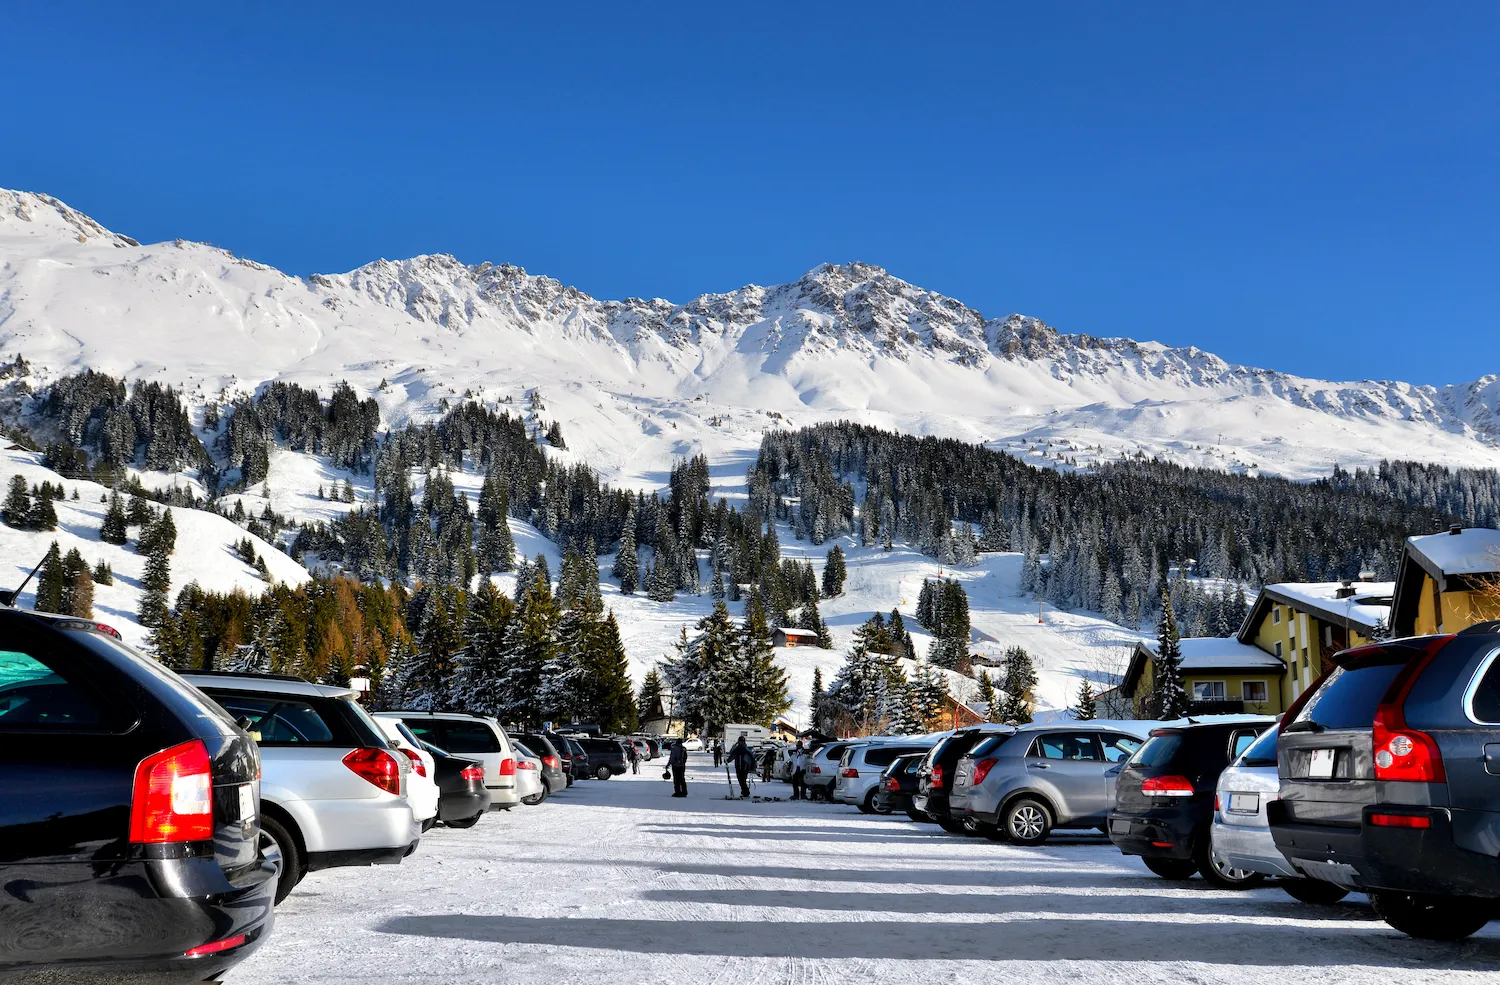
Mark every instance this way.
x=9 y=597
x=1190 y=720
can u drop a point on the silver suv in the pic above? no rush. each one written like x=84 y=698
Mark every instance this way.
x=471 y=737
x=333 y=791
x=1019 y=787
x=862 y=763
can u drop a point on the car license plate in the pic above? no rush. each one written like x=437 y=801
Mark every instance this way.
x=247 y=801
x=1244 y=803
x=1320 y=767
x=1119 y=827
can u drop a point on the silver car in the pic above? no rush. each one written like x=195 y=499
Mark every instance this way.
x=333 y=789
x=1241 y=832
x=470 y=737
x=862 y=763
x=1020 y=787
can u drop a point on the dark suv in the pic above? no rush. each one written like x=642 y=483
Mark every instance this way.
x=1390 y=781
x=1164 y=800
x=935 y=775
x=606 y=756
x=129 y=814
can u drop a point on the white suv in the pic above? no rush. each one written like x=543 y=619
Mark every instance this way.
x=333 y=790
x=471 y=737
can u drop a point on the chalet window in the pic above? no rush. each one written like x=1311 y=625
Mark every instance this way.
x=1278 y=648
x=1276 y=614
x=1256 y=692
x=1209 y=691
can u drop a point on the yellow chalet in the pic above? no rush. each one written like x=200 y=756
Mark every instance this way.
x=1221 y=675
x=1303 y=624
x=1441 y=581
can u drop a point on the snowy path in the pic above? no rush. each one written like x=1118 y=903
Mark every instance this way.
x=616 y=882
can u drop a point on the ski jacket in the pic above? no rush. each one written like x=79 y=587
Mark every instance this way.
x=742 y=757
x=678 y=755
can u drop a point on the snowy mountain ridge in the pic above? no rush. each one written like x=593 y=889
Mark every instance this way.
x=637 y=382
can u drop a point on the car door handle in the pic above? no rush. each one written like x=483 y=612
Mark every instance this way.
x=1037 y=766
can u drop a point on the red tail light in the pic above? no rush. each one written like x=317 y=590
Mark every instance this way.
x=817 y=769
x=892 y=784
x=982 y=770
x=1402 y=752
x=850 y=774
x=378 y=767
x=107 y=628
x=525 y=764
x=472 y=773
x=937 y=776
x=419 y=767
x=507 y=767
x=1400 y=821
x=552 y=762
x=172 y=799
x=1217 y=808
x=214 y=947
x=1167 y=786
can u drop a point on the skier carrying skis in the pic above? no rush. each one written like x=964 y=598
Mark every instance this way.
x=743 y=760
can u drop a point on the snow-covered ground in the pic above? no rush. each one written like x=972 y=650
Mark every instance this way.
x=617 y=883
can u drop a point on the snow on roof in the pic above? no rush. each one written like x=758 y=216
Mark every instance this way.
x=1370 y=603
x=1471 y=551
x=799 y=632
x=1220 y=653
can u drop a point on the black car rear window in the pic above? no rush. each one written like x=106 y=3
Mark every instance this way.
x=1158 y=751
x=460 y=737
x=884 y=756
x=1350 y=695
x=1262 y=751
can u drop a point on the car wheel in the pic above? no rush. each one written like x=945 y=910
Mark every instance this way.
x=1431 y=918
x=1220 y=873
x=1176 y=869
x=602 y=773
x=1027 y=822
x=1313 y=891
x=465 y=822
x=872 y=799
x=534 y=799
x=429 y=824
x=291 y=858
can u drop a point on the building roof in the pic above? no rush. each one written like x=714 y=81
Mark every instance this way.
x=1363 y=611
x=798 y=632
x=1457 y=560
x=1203 y=654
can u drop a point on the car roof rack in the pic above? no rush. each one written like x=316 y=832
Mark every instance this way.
x=293 y=678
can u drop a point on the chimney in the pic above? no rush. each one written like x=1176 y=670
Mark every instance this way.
x=1346 y=590
x=1456 y=529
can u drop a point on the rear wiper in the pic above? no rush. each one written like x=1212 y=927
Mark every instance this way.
x=1306 y=725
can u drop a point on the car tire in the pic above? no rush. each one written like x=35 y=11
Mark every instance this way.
x=291 y=855
x=602 y=773
x=1431 y=918
x=1219 y=874
x=429 y=824
x=872 y=801
x=917 y=816
x=1176 y=869
x=1027 y=821
x=535 y=798
x=1314 y=891
x=465 y=822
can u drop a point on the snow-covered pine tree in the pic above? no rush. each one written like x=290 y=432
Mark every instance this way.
x=1169 y=696
x=479 y=671
x=16 y=511
x=1088 y=706
x=761 y=683
x=530 y=645
x=648 y=702
x=113 y=529
x=833 y=572
x=627 y=568
x=988 y=697
x=929 y=696
x=607 y=694
x=1019 y=686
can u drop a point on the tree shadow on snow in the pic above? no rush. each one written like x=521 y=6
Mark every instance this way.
x=1040 y=939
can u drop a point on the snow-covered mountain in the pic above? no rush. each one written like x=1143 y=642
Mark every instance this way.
x=636 y=383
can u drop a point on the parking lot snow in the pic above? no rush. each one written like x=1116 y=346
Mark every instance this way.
x=617 y=882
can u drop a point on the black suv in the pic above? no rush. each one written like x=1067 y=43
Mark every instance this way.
x=129 y=814
x=1390 y=781
x=935 y=775
x=1164 y=800
x=606 y=756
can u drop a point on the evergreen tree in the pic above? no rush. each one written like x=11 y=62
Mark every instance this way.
x=78 y=595
x=662 y=582
x=113 y=530
x=497 y=550
x=1019 y=686
x=701 y=673
x=17 y=509
x=52 y=582
x=833 y=572
x=760 y=684
x=1088 y=706
x=929 y=696
x=649 y=701
x=43 y=516
x=155 y=583
x=478 y=680
x=530 y=645
x=812 y=620
x=608 y=695
x=1169 y=696
x=817 y=697
x=103 y=574
x=993 y=710
x=427 y=672
x=627 y=568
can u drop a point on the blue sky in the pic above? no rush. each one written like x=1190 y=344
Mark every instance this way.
x=1306 y=187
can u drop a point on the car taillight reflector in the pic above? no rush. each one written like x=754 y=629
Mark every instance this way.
x=937 y=776
x=1402 y=752
x=982 y=770
x=552 y=763
x=472 y=773
x=376 y=766
x=1400 y=821
x=507 y=767
x=817 y=769
x=1167 y=786
x=850 y=774
x=172 y=798
x=416 y=761
x=107 y=628
x=214 y=947
x=892 y=784
x=525 y=764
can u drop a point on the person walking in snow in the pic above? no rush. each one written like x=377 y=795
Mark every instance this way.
x=634 y=755
x=718 y=753
x=677 y=763
x=743 y=760
x=799 y=773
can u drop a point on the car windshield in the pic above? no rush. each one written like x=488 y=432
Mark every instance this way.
x=1262 y=751
x=1350 y=695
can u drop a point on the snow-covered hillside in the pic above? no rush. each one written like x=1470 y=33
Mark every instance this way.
x=637 y=383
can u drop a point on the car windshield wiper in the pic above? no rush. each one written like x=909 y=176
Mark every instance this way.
x=1306 y=725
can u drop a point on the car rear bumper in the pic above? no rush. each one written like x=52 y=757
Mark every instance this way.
x=1252 y=848
x=503 y=796
x=460 y=806
x=1407 y=860
x=896 y=803
x=1164 y=835
x=133 y=935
